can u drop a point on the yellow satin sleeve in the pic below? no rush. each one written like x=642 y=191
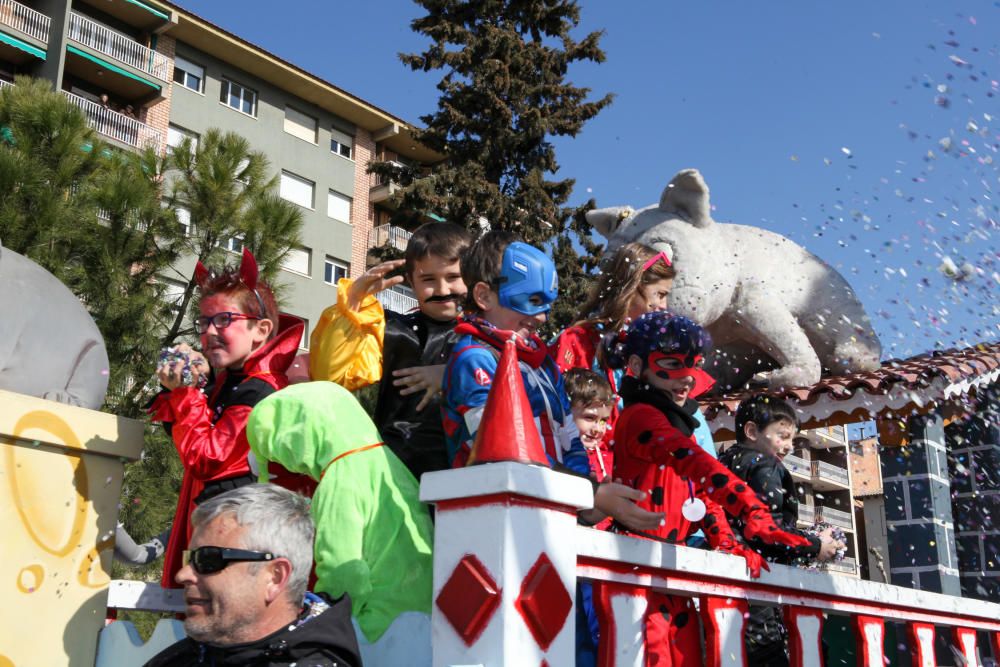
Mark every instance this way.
x=346 y=345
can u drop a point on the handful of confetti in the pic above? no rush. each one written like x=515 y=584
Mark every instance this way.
x=836 y=533
x=170 y=356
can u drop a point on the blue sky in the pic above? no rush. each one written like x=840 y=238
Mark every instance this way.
x=865 y=131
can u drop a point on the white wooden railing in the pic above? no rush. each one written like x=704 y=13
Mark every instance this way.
x=118 y=46
x=25 y=19
x=5 y=83
x=395 y=237
x=118 y=126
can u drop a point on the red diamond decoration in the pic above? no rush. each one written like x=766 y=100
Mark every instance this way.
x=469 y=598
x=544 y=602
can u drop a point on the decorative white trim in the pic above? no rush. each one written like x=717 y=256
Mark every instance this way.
x=517 y=478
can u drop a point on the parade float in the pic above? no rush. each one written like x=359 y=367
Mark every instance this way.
x=508 y=551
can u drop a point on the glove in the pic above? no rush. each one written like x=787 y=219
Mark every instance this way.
x=754 y=560
x=758 y=525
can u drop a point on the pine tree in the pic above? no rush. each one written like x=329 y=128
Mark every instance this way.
x=504 y=96
x=47 y=152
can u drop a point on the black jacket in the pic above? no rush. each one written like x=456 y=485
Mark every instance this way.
x=417 y=438
x=773 y=484
x=322 y=637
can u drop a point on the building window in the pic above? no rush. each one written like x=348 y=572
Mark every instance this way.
x=300 y=125
x=188 y=74
x=338 y=206
x=341 y=143
x=176 y=134
x=233 y=244
x=239 y=97
x=297 y=261
x=334 y=270
x=296 y=189
x=183 y=220
x=173 y=294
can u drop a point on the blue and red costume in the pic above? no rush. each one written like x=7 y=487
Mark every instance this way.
x=467 y=380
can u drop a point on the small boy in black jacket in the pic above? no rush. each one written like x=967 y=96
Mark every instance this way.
x=765 y=429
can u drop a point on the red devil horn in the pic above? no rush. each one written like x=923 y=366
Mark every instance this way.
x=201 y=274
x=248 y=269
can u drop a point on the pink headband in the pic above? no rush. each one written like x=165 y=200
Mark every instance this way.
x=656 y=258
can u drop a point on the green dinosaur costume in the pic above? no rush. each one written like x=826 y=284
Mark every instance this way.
x=373 y=536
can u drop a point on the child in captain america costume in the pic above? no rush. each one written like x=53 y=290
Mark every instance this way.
x=511 y=303
x=655 y=451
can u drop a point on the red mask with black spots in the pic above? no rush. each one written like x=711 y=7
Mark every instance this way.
x=676 y=366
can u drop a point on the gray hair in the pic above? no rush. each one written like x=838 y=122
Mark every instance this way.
x=276 y=520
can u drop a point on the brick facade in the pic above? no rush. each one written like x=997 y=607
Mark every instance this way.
x=157 y=115
x=362 y=211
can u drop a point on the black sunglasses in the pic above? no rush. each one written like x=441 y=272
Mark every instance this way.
x=220 y=320
x=209 y=560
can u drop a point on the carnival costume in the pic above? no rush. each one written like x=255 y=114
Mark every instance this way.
x=373 y=536
x=356 y=348
x=208 y=426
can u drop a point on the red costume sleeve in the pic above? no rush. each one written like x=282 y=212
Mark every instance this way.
x=208 y=451
x=574 y=348
x=650 y=437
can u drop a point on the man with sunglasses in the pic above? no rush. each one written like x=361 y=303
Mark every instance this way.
x=244 y=578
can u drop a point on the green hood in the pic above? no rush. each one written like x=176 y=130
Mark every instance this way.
x=305 y=426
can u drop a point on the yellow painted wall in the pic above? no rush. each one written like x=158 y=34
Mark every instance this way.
x=60 y=482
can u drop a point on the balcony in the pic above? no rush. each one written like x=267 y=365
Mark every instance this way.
x=394 y=237
x=826 y=476
x=807 y=514
x=835 y=517
x=396 y=301
x=798 y=466
x=826 y=437
x=4 y=84
x=847 y=566
x=118 y=47
x=25 y=20
x=117 y=126
x=383 y=188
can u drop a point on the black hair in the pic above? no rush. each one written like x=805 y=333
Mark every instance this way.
x=762 y=410
x=441 y=239
x=482 y=262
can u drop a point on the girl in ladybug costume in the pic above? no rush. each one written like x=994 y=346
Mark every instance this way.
x=655 y=452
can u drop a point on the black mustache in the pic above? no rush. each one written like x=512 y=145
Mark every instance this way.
x=455 y=298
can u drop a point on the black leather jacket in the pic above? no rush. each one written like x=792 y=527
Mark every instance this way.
x=417 y=438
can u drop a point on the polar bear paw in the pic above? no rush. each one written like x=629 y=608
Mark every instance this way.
x=788 y=376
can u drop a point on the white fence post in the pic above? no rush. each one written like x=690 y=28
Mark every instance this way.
x=504 y=564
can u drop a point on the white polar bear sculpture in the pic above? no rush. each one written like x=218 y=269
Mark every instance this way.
x=49 y=344
x=771 y=306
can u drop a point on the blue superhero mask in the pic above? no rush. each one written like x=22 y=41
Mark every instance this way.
x=528 y=283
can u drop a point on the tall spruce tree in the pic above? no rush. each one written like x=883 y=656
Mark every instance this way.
x=504 y=96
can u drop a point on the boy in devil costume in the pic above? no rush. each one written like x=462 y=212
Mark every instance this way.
x=655 y=452
x=249 y=348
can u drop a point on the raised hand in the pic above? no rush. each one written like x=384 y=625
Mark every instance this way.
x=373 y=281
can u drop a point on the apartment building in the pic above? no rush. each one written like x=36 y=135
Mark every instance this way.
x=151 y=73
